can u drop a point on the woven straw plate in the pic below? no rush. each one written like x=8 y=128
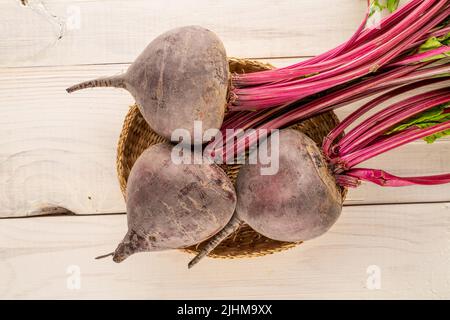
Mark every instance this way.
x=137 y=136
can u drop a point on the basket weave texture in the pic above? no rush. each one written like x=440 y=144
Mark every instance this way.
x=136 y=136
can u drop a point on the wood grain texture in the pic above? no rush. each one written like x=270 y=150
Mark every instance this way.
x=408 y=243
x=56 y=147
x=109 y=31
x=58 y=150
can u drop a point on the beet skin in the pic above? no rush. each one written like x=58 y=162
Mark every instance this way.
x=172 y=205
x=300 y=202
x=181 y=77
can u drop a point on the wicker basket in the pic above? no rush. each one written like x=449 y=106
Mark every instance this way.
x=136 y=136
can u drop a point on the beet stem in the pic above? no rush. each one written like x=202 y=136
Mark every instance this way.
x=404 y=75
x=388 y=117
x=395 y=141
x=358 y=57
x=336 y=132
x=385 y=179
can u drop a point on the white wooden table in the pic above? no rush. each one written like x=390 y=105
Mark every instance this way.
x=57 y=155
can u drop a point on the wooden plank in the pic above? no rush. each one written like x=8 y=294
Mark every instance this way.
x=405 y=247
x=108 y=31
x=58 y=150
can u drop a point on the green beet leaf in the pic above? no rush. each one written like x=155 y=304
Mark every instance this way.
x=425 y=120
x=435 y=43
x=376 y=6
x=392 y=5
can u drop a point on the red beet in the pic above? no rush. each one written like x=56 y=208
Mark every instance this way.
x=181 y=77
x=300 y=202
x=172 y=205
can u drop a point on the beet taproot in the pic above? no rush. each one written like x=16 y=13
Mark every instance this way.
x=171 y=205
x=181 y=77
x=299 y=202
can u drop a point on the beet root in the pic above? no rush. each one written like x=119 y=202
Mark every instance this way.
x=300 y=202
x=172 y=206
x=182 y=76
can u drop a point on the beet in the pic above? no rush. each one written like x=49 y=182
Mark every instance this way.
x=172 y=205
x=300 y=202
x=182 y=76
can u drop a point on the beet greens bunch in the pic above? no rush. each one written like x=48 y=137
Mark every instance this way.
x=408 y=46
